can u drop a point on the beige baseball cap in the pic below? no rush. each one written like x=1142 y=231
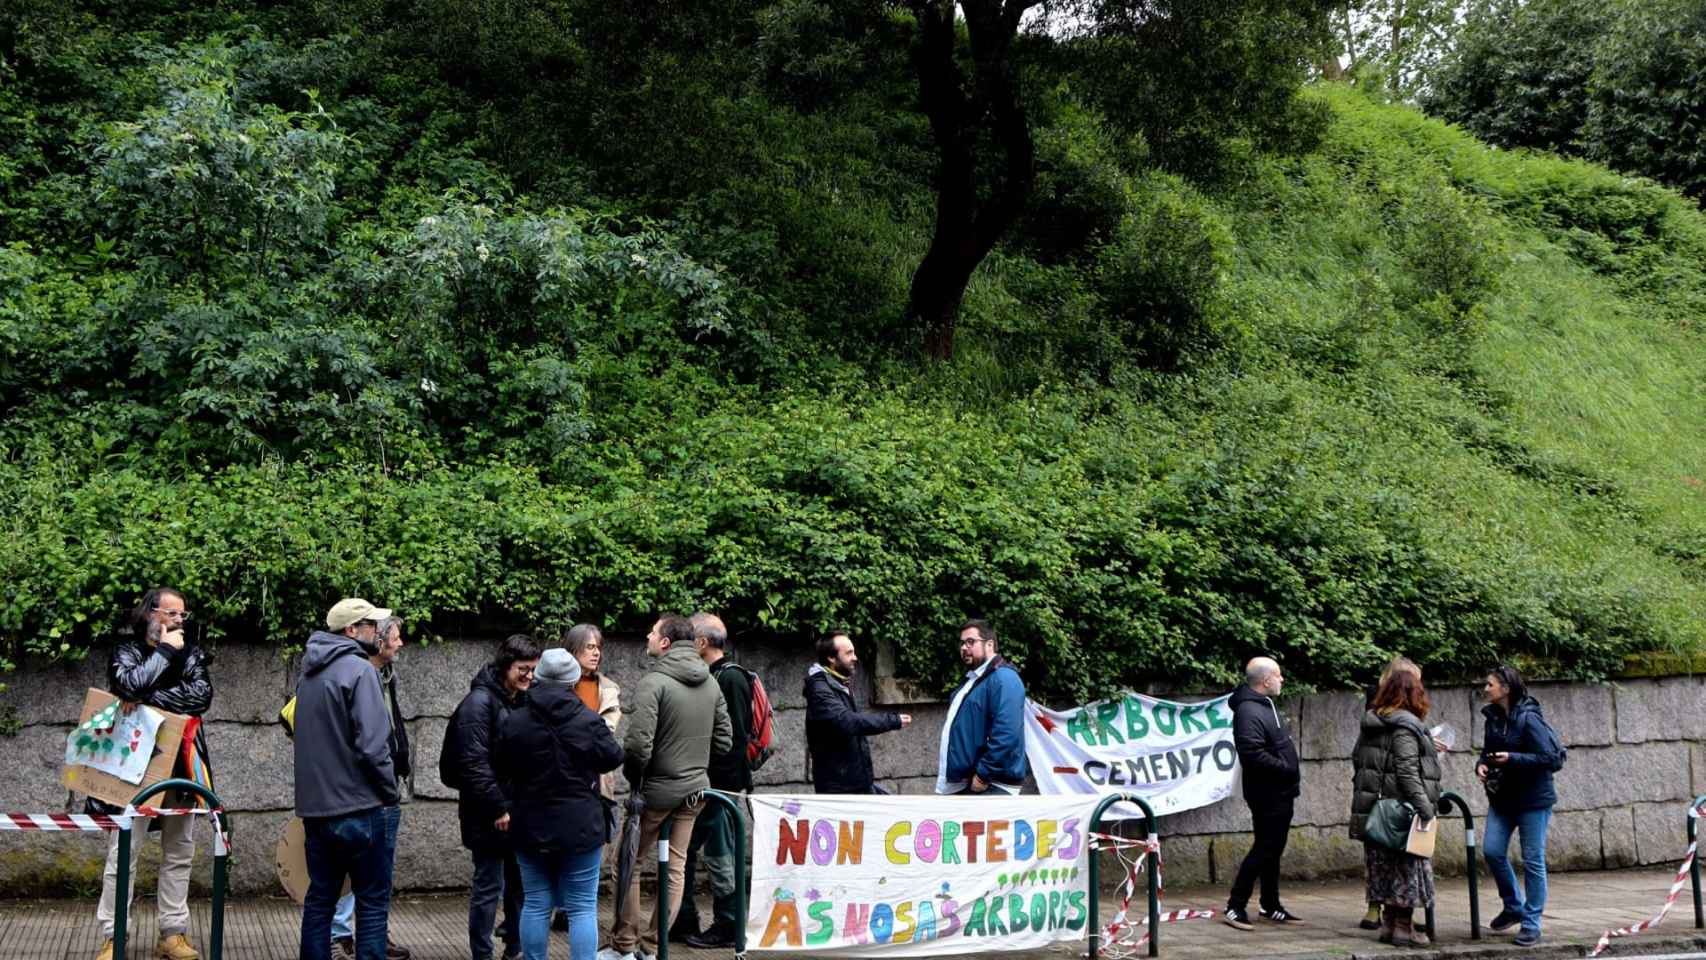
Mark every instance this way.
x=353 y=610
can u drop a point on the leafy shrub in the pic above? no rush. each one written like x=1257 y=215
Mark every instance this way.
x=1160 y=278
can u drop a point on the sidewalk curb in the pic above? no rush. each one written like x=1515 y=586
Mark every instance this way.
x=1690 y=943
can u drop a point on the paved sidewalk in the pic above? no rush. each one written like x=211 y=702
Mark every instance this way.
x=1581 y=906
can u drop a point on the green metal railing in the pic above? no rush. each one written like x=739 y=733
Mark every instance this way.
x=221 y=871
x=729 y=804
x=1152 y=870
x=1447 y=800
x=1694 y=867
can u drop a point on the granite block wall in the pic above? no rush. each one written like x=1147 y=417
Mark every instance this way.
x=1637 y=755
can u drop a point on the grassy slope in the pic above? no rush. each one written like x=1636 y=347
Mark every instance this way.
x=1563 y=448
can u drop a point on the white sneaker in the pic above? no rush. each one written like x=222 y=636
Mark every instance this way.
x=609 y=953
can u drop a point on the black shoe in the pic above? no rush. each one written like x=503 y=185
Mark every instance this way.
x=712 y=939
x=1527 y=937
x=1281 y=915
x=394 y=951
x=1233 y=917
x=683 y=932
x=1504 y=921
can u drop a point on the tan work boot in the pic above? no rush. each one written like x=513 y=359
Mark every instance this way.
x=106 y=951
x=176 y=947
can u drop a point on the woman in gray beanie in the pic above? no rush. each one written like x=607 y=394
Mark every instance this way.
x=551 y=753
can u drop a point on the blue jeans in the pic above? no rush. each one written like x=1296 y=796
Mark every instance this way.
x=343 y=919
x=351 y=846
x=564 y=881
x=1531 y=824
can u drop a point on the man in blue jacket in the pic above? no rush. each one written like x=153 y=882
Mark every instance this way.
x=345 y=777
x=983 y=738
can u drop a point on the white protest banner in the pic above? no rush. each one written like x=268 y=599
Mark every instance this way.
x=913 y=876
x=1176 y=756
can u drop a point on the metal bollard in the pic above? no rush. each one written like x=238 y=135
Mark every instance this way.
x=1151 y=869
x=1447 y=800
x=221 y=826
x=1694 y=866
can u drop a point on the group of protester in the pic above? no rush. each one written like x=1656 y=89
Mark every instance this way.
x=533 y=767
x=532 y=750
x=1397 y=757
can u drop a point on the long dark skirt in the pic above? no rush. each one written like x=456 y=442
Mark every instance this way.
x=1398 y=879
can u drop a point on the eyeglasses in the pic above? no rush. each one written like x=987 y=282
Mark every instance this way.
x=173 y=614
x=525 y=671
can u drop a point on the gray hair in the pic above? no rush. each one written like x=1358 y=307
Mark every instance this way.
x=580 y=635
x=385 y=625
x=709 y=628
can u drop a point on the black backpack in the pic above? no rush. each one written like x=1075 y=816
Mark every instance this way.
x=450 y=754
x=1548 y=740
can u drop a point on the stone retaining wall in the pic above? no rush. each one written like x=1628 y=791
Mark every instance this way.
x=1636 y=758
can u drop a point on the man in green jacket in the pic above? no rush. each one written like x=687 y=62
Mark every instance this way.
x=678 y=722
x=713 y=845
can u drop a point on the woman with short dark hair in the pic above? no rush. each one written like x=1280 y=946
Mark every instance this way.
x=482 y=806
x=1519 y=752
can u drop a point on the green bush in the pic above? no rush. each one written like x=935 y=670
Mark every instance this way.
x=1160 y=278
x=558 y=343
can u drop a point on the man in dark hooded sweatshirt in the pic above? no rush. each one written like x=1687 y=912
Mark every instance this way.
x=1268 y=758
x=344 y=779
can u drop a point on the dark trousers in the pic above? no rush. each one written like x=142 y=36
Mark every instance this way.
x=496 y=877
x=1272 y=827
x=713 y=847
x=349 y=846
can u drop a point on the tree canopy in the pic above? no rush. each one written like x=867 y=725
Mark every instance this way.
x=535 y=313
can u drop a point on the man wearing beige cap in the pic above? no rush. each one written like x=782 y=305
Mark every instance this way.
x=345 y=779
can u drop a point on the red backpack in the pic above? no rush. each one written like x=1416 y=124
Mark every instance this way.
x=760 y=741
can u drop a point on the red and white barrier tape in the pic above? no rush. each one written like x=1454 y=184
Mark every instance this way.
x=1670 y=900
x=50 y=822
x=1119 y=929
x=101 y=822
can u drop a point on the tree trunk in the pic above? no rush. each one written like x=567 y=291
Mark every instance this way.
x=967 y=228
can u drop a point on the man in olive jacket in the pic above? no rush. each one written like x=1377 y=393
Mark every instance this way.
x=678 y=721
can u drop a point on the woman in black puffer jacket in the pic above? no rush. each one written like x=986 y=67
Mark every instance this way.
x=1395 y=757
x=550 y=754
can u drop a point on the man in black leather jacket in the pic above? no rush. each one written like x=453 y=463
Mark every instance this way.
x=155 y=663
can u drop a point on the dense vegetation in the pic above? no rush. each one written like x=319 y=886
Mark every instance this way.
x=538 y=315
x=1618 y=81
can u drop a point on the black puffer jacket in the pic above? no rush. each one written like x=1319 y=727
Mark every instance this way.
x=1266 y=751
x=549 y=754
x=1394 y=757
x=836 y=735
x=1525 y=783
x=173 y=680
x=477 y=723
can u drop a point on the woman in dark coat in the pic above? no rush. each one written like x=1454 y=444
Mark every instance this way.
x=1519 y=752
x=1395 y=757
x=551 y=754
